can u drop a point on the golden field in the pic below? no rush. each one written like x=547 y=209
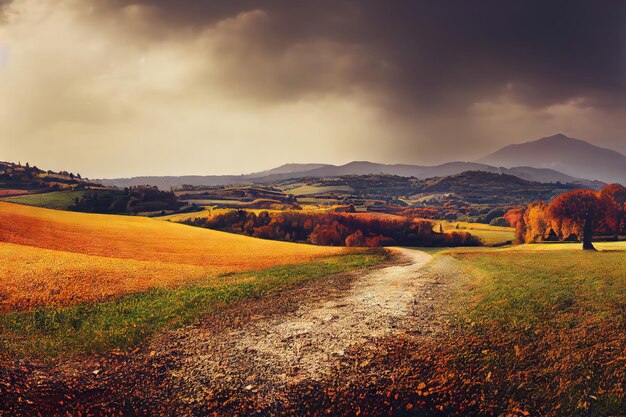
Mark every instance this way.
x=57 y=257
x=490 y=235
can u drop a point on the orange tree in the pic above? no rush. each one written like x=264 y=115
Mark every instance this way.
x=582 y=209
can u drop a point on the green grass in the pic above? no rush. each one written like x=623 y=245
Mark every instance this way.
x=493 y=237
x=550 y=321
x=524 y=289
x=125 y=322
x=490 y=235
x=58 y=200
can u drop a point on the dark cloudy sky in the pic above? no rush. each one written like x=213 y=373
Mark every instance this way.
x=120 y=88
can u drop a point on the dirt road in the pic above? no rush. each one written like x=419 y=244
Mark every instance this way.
x=262 y=361
x=289 y=353
x=305 y=343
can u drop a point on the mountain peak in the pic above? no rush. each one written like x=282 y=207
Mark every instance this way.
x=559 y=138
x=570 y=156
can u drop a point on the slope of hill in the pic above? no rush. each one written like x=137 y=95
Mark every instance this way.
x=293 y=171
x=289 y=169
x=549 y=175
x=58 y=257
x=472 y=187
x=571 y=156
x=478 y=187
x=21 y=179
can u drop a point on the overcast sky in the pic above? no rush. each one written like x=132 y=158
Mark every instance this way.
x=119 y=88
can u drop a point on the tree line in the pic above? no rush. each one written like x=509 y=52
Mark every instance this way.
x=333 y=229
x=577 y=215
x=130 y=200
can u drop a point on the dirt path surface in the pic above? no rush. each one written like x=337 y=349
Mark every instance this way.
x=305 y=343
x=339 y=345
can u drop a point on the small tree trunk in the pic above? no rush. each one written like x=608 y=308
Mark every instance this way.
x=588 y=232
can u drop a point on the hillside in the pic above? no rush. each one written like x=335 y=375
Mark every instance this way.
x=57 y=257
x=481 y=187
x=568 y=155
x=64 y=190
x=474 y=187
x=17 y=179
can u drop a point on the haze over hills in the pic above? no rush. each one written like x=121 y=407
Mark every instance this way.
x=556 y=158
x=564 y=154
x=444 y=170
x=353 y=168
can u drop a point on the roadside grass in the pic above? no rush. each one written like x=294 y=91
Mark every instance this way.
x=543 y=330
x=124 y=322
x=59 y=200
x=569 y=246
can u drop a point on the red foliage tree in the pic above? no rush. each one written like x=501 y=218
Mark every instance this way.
x=355 y=239
x=616 y=220
x=515 y=217
x=583 y=208
x=616 y=191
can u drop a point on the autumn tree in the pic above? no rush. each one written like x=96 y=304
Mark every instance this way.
x=581 y=208
x=616 y=191
x=616 y=220
x=515 y=217
x=355 y=239
x=535 y=222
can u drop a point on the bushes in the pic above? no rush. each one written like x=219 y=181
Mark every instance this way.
x=334 y=229
x=131 y=200
x=499 y=221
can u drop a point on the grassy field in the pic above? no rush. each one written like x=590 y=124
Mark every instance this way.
x=59 y=200
x=126 y=321
x=317 y=189
x=541 y=327
x=12 y=193
x=568 y=246
x=491 y=235
x=61 y=258
x=212 y=202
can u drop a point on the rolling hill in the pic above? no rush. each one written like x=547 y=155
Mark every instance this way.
x=58 y=257
x=567 y=155
x=17 y=179
x=473 y=187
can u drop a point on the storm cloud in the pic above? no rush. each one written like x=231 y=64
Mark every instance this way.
x=161 y=87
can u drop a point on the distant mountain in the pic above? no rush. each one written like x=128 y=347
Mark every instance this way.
x=564 y=154
x=367 y=168
x=447 y=169
x=292 y=171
